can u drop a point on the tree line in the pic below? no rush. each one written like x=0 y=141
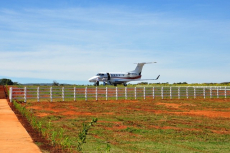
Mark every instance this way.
x=5 y=81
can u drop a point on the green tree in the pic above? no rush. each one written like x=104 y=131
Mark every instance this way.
x=5 y=81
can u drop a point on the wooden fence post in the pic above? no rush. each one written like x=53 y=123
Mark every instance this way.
x=153 y=93
x=162 y=93
x=11 y=94
x=38 y=94
x=96 y=93
x=25 y=94
x=116 y=94
x=210 y=92
x=217 y=92
x=187 y=92
x=135 y=92
x=144 y=92
x=125 y=92
x=63 y=93
x=170 y=92
x=194 y=92
x=106 y=90
x=204 y=92
x=51 y=94
x=178 y=92
x=85 y=93
x=74 y=93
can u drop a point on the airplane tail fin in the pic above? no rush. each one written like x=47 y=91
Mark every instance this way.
x=140 y=66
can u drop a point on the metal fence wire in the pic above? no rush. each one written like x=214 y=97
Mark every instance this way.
x=116 y=93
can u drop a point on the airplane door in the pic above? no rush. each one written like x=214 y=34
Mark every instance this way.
x=108 y=76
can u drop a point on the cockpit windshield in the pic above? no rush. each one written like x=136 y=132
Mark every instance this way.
x=100 y=74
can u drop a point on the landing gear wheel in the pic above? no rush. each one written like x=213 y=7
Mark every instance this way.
x=125 y=84
x=115 y=84
x=97 y=83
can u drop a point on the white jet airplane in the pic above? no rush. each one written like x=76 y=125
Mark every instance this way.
x=114 y=78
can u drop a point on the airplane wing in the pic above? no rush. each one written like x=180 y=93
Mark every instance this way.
x=127 y=80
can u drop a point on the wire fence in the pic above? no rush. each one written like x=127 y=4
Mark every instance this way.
x=115 y=93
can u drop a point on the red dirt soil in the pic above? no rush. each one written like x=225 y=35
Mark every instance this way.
x=74 y=111
x=2 y=92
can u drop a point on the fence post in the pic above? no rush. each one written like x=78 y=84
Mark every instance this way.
x=153 y=93
x=11 y=94
x=135 y=91
x=194 y=92
x=210 y=92
x=38 y=94
x=63 y=93
x=51 y=94
x=170 y=92
x=162 y=94
x=217 y=92
x=178 y=92
x=116 y=94
x=74 y=93
x=106 y=90
x=96 y=93
x=25 y=94
x=225 y=93
x=187 y=92
x=85 y=93
x=125 y=92
x=204 y=92
x=144 y=93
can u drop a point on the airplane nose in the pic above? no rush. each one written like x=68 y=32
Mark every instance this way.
x=90 y=80
x=93 y=79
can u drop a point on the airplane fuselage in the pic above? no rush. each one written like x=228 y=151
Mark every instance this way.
x=114 y=78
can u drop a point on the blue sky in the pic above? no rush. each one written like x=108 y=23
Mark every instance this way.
x=70 y=41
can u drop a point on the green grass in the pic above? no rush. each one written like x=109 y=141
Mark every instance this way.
x=141 y=125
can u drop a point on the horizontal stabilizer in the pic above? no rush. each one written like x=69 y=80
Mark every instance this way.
x=145 y=63
x=148 y=79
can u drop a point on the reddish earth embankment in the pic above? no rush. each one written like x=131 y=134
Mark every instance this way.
x=2 y=93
